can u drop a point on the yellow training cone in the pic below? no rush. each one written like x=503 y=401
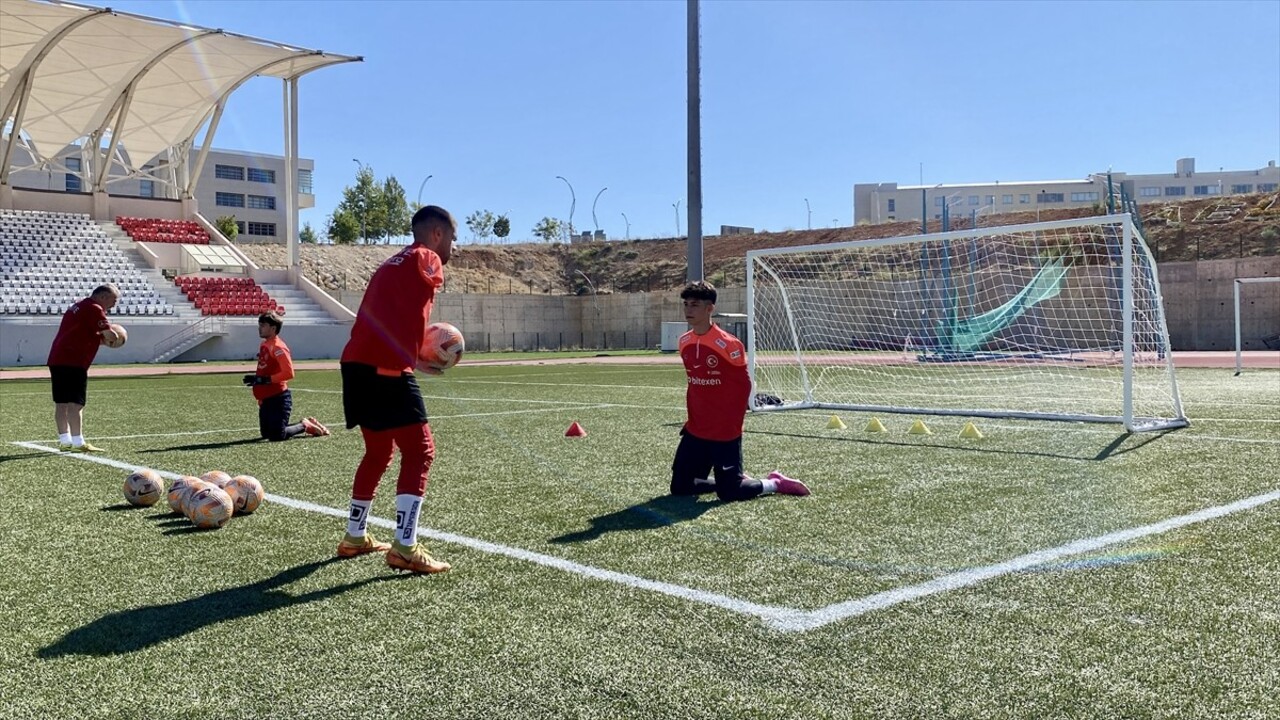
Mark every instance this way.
x=919 y=428
x=874 y=425
x=835 y=423
x=971 y=432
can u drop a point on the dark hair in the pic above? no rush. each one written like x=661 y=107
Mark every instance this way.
x=699 y=290
x=428 y=215
x=271 y=318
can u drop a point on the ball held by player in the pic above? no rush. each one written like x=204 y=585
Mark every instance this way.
x=442 y=348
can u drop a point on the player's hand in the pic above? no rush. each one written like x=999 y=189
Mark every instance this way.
x=429 y=369
x=249 y=380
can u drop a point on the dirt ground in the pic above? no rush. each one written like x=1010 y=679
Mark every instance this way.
x=1237 y=226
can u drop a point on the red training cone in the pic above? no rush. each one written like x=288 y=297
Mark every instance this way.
x=575 y=430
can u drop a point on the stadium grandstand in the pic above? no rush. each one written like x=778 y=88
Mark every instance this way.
x=148 y=106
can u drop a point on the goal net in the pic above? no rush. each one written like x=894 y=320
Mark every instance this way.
x=1057 y=320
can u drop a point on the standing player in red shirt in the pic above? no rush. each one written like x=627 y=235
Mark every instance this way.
x=271 y=385
x=716 y=401
x=381 y=395
x=84 y=328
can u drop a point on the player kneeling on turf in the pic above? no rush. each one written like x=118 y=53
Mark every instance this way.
x=716 y=402
x=271 y=385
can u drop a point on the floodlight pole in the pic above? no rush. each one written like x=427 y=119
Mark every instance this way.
x=694 y=142
x=573 y=203
x=594 y=221
x=424 y=184
x=628 y=222
x=808 y=215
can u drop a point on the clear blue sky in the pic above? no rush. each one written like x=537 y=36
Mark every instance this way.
x=799 y=99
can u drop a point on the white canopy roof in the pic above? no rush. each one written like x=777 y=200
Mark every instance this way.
x=72 y=71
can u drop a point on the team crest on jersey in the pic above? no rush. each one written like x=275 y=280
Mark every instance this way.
x=722 y=343
x=712 y=361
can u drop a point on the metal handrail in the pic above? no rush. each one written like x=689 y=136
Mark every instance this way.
x=210 y=324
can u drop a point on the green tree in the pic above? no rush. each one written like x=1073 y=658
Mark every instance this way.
x=308 y=235
x=227 y=226
x=363 y=202
x=548 y=228
x=481 y=224
x=343 y=228
x=502 y=226
x=394 y=217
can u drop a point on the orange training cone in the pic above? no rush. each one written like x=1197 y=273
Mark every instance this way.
x=575 y=430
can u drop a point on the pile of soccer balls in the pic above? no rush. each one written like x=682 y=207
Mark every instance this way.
x=209 y=501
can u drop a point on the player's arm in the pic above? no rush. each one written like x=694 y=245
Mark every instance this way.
x=283 y=361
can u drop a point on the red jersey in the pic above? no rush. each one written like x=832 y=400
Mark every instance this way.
x=719 y=385
x=274 y=362
x=396 y=308
x=80 y=335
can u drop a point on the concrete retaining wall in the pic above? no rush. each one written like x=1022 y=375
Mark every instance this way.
x=1198 y=302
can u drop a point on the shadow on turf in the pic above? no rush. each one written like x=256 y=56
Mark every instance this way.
x=206 y=446
x=1111 y=450
x=651 y=514
x=133 y=630
x=23 y=456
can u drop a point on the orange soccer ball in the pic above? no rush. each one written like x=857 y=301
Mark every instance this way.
x=210 y=507
x=246 y=493
x=442 y=346
x=143 y=487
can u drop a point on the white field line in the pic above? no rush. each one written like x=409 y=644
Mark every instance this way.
x=568 y=407
x=783 y=619
x=965 y=578
x=768 y=613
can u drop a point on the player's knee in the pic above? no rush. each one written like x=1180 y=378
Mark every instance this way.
x=683 y=486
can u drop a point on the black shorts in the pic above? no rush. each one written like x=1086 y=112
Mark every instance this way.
x=70 y=384
x=380 y=402
x=697 y=458
x=273 y=415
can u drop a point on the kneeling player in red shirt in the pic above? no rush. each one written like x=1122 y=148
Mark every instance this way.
x=271 y=385
x=381 y=395
x=716 y=401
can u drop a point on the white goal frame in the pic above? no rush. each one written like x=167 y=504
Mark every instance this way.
x=1131 y=243
x=1236 y=293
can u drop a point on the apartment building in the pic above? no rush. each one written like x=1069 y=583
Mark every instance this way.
x=889 y=202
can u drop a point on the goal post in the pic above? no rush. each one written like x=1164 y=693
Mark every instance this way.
x=1057 y=320
x=1236 y=296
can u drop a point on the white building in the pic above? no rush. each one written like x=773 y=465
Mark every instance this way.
x=248 y=186
x=888 y=202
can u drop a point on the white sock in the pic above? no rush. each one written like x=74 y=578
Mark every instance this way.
x=77 y=440
x=358 y=520
x=64 y=438
x=770 y=486
x=407 y=507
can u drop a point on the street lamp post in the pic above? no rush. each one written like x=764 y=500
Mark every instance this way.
x=593 y=209
x=360 y=165
x=808 y=223
x=573 y=203
x=676 y=205
x=424 y=184
x=628 y=222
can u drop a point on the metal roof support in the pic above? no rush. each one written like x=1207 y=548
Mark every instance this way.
x=291 y=172
x=27 y=70
x=188 y=191
x=189 y=138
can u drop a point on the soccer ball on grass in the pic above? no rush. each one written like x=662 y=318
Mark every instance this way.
x=143 y=487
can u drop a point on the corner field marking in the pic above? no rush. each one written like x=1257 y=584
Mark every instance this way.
x=779 y=618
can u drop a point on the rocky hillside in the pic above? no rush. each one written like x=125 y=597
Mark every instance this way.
x=1208 y=229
